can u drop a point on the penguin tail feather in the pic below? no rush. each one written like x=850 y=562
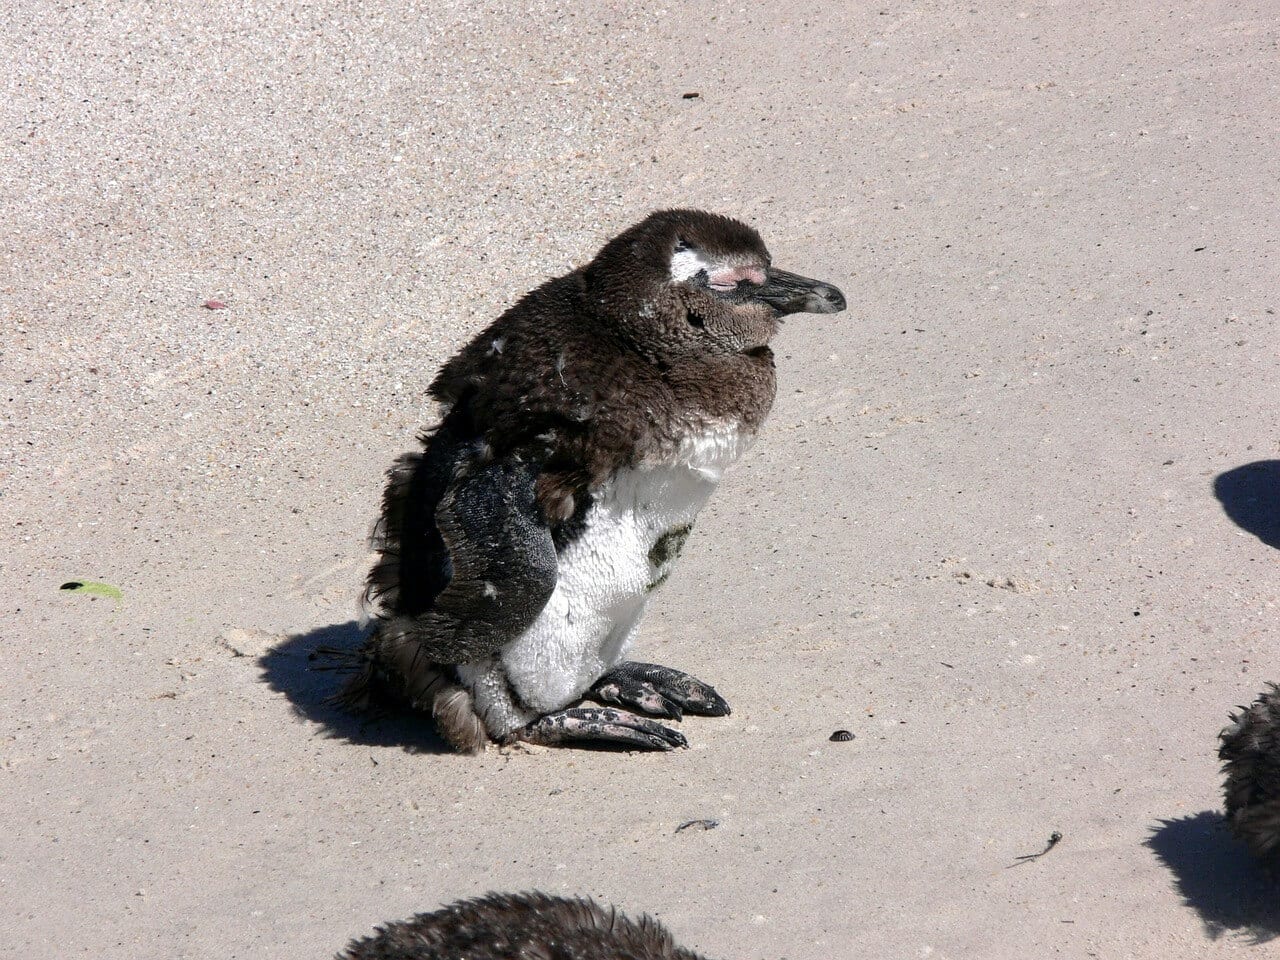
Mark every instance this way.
x=429 y=687
x=364 y=692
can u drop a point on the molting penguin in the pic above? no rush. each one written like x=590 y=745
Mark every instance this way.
x=1250 y=755
x=512 y=927
x=582 y=432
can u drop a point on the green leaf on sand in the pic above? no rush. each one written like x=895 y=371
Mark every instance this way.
x=92 y=587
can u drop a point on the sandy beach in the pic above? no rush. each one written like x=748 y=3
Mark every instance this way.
x=1013 y=520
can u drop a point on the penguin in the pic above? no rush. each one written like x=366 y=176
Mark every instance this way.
x=518 y=926
x=580 y=435
x=1250 y=755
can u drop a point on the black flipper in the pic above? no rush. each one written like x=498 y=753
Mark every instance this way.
x=658 y=691
x=600 y=725
x=466 y=565
x=501 y=563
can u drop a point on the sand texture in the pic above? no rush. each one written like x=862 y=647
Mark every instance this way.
x=1013 y=522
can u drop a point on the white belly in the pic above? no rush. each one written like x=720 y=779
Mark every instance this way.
x=634 y=529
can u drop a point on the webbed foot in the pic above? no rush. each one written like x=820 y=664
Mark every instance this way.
x=600 y=725
x=658 y=691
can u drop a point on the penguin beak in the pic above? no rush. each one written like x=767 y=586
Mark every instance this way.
x=792 y=293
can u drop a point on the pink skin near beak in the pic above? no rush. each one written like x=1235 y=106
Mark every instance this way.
x=727 y=279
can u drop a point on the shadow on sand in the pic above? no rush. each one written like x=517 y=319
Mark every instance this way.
x=1218 y=878
x=289 y=669
x=1251 y=497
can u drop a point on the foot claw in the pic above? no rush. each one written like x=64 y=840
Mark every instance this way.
x=659 y=691
x=642 y=697
x=601 y=725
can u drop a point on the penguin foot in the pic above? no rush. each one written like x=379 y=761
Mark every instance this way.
x=600 y=725
x=658 y=691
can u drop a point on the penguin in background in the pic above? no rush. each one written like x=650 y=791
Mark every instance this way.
x=581 y=434
x=1250 y=755
x=520 y=927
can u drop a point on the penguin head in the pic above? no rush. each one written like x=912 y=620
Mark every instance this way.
x=686 y=282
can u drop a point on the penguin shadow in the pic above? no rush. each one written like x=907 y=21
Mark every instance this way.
x=1218 y=878
x=310 y=682
x=1250 y=495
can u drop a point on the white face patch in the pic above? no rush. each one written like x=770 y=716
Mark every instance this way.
x=686 y=264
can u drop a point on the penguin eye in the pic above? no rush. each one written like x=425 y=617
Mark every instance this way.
x=682 y=244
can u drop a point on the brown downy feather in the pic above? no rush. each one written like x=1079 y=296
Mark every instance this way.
x=398 y=675
x=382 y=588
x=525 y=926
x=391 y=668
x=1250 y=755
x=610 y=371
x=456 y=719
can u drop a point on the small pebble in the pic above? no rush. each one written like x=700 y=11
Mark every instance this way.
x=841 y=736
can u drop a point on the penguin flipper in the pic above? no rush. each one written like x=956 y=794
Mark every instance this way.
x=502 y=565
x=658 y=691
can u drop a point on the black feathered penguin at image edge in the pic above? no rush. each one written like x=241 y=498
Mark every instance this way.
x=507 y=926
x=1250 y=755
